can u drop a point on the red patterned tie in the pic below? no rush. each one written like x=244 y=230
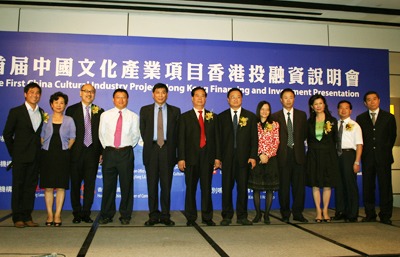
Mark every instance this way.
x=118 y=130
x=203 y=133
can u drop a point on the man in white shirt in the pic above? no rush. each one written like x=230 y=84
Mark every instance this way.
x=22 y=137
x=349 y=149
x=118 y=133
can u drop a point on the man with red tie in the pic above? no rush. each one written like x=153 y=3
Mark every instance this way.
x=198 y=155
x=118 y=133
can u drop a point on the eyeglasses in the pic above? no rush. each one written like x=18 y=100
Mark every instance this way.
x=88 y=91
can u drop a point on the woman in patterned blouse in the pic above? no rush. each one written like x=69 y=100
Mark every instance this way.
x=265 y=176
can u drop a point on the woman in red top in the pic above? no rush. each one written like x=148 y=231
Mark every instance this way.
x=265 y=176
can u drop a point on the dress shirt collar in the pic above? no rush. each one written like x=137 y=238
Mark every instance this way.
x=29 y=108
x=376 y=111
x=286 y=111
x=163 y=107
x=239 y=111
x=84 y=106
x=197 y=112
x=345 y=121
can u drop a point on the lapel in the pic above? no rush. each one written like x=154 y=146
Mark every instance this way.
x=26 y=114
x=151 y=119
x=281 y=117
x=80 y=118
x=193 y=116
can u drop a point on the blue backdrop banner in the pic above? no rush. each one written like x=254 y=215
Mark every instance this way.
x=64 y=62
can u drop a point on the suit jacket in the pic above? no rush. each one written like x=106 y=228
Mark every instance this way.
x=23 y=143
x=76 y=112
x=299 y=135
x=189 y=138
x=329 y=138
x=246 y=137
x=147 y=131
x=379 y=139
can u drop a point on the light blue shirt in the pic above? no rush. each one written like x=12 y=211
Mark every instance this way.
x=35 y=115
x=164 y=116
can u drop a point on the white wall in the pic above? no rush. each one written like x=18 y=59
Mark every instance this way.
x=157 y=24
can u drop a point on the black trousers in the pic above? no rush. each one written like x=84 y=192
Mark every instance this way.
x=371 y=171
x=117 y=163
x=291 y=175
x=231 y=173
x=84 y=169
x=158 y=171
x=202 y=171
x=24 y=184
x=346 y=194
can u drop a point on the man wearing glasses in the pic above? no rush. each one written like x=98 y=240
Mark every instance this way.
x=85 y=153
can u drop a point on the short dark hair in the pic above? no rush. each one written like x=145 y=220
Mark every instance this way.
x=370 y=93
x=32 y=85
x=259 y=106
x=57 y=95
x=234 y=89
x=160 y=85
x=287 y=90
x=198 y=88
x=121 y=90
x=345 y=101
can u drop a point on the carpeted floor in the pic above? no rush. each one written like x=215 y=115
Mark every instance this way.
x=278 y=239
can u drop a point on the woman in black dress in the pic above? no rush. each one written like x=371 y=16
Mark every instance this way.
x=322 y=163
x=265 y=175
x=58 y=135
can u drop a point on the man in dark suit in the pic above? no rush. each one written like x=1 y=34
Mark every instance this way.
x=379 y=135
x=159 y=130
x=198 y=155
x=85 y=153
x=22 y=137
x=239 y=147
x=291 y=156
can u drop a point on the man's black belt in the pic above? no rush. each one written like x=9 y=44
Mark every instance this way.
x=348 y=150
x=118 y=149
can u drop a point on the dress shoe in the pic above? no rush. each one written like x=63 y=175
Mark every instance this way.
x=244 y=222
x=191 y=223
x=339 y=216
x=257 y=218
x=208 y=222
x=151 y=222
x=87 y=219
x=386 y=221
x=167 y=222
x=57 y=224
x=351 y=220
x=124 y=221
x=77 y=220
x=31 y=224
x=266 y=219
x=104 y=220
x=19 y=224
x=226 y=222
x=285 y=219
x=368 y=219
x=301 y=219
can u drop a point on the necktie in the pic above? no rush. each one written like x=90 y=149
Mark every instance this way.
x=290 y=140
x=339 y=142
x=87 y=140
x=235 y=125
x=118 y=130
x=202 y=133
x=160 y=128
x=373 y=118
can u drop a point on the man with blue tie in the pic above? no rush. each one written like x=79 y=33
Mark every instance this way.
x=159 y=130
x=118 y=133
x=239 y=148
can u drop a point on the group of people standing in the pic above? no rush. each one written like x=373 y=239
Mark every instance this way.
x=262 y=151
